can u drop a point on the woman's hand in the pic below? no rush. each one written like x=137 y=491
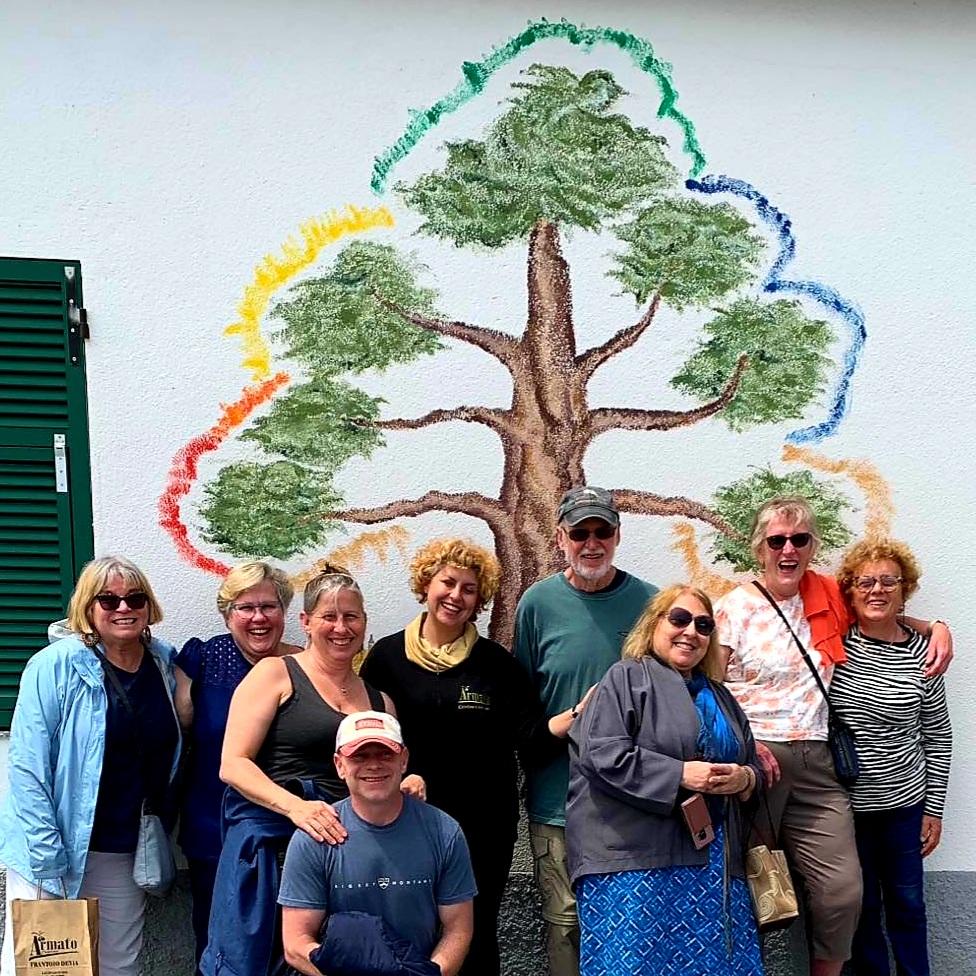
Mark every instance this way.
x=318 y=819
x=728 y=778
x=767 y=761
x=414 y=785
x=940 y=649
x=931 y=834
x=696 y=776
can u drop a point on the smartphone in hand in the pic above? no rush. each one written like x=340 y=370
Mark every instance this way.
x=699 y=820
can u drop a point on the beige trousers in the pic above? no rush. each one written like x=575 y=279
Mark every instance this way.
x=558 y=904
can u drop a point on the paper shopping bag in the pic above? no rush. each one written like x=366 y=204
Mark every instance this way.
x=55 y=936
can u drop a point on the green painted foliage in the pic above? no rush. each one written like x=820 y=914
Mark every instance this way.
x=689 y=251
x=337 y=323
x=787 y=361
x=559 y=153
x=321 y=424
x=738 y=503
x=267 y=509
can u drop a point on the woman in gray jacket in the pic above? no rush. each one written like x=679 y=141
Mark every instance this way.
x=659 y=729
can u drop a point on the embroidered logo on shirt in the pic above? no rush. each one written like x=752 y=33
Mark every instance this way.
x=469 y=699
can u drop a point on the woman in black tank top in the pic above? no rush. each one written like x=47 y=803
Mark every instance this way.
x=278 y=762
x=285 y=713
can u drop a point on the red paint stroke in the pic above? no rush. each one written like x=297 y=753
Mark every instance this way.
x=184 y=469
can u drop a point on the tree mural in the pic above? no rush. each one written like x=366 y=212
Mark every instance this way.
x=559 y=158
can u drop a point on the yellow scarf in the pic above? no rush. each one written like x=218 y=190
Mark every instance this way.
x=424 y=654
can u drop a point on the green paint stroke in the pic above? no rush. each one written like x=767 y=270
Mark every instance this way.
x=476 y=75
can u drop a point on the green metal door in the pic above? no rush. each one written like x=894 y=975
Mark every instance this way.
x=45 y=477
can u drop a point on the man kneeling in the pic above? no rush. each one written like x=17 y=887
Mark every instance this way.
x=404 y=862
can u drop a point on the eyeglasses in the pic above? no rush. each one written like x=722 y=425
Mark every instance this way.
x=250 y=609
x=799 y=540
x=867 y=583
x=680 y=617
x=603 y=532
x=111 y=602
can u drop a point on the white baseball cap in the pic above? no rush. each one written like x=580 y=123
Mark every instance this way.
x=359 y=728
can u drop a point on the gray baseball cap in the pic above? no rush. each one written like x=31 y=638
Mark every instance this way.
x=587 y=502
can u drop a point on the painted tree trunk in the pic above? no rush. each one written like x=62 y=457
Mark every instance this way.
x=548 y=431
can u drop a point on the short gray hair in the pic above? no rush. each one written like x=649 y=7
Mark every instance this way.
x=331 y=579
x=793 y=508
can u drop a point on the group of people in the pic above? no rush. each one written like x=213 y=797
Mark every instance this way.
x=377 y=808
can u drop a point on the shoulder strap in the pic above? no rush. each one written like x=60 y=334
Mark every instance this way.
x=375 y=698
x=806 y=657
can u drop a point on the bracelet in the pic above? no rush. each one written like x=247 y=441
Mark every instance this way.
x=574 y=711
x=944 y=623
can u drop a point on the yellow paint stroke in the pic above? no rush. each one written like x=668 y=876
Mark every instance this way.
x=686 y=545
x=276 y=270
x=879 y=507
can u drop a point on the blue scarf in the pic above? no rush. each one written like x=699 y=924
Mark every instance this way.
x=717 y=741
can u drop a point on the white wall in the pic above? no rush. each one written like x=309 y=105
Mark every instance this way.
x=171 y=147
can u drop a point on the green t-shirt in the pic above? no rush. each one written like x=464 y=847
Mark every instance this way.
x=567 y=639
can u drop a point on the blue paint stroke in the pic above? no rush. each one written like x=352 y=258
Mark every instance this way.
x=852 y=316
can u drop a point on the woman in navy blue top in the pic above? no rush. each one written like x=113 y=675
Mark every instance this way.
x=253 y=601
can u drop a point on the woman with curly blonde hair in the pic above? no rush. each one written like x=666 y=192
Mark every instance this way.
x=904 y=740
x=465 y=706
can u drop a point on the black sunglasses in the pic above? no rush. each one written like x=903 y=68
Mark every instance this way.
x=602 y=532
x=799 y=540
x=111 y=602
x=680 y=617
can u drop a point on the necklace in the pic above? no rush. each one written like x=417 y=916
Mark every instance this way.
x=341 y=686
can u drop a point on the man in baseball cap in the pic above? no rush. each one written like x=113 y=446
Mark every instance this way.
x=403 y=861
x=569 y=629
x=362 y=728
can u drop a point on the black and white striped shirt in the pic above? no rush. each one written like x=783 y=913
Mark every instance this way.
x=901 y=720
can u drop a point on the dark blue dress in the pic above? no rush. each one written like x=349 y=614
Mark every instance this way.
x=216 y=667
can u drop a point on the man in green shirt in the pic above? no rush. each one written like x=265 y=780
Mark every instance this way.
x=569 y=629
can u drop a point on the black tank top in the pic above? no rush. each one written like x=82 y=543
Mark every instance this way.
x=300 y=743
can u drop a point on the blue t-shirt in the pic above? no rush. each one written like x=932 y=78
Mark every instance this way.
x=400 y=872
x=216 y=667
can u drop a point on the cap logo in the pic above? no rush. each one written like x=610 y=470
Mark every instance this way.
x=369 y=723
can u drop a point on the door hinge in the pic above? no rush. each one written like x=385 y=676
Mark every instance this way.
x=77 y=318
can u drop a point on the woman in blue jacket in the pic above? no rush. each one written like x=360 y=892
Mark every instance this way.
x=81 y=763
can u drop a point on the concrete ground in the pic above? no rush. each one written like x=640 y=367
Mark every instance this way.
x=950 y=896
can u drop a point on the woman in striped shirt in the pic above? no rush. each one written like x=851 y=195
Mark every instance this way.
x=904 y=743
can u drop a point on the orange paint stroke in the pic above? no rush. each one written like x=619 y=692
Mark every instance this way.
x=686 y=545
x=879 y=506
x=183 y=471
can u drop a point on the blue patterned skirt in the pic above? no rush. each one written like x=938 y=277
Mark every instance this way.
x=667 y=922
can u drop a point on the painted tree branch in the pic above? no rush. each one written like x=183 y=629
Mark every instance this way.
x=646 y=503
x=591 y=360
x=497 y=420
x=624 y=418
x=503 y=347
x=466 y=503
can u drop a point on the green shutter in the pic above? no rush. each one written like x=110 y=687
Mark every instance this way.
x=45 y=526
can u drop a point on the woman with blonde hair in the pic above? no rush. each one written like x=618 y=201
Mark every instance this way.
x=278 y=761
x=904 y=741
x=653 y=899
x=84 y=758
x=465 y=706
x=253 y=600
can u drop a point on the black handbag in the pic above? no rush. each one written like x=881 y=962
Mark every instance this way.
x=840 y=736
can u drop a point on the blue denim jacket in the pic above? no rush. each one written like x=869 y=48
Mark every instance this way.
x=57 y=742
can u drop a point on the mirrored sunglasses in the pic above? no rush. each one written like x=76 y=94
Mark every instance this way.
x=111 y=602
x=680 y=617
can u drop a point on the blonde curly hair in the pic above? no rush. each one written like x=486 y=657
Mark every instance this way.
x=463 y=553
x=873 y=551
